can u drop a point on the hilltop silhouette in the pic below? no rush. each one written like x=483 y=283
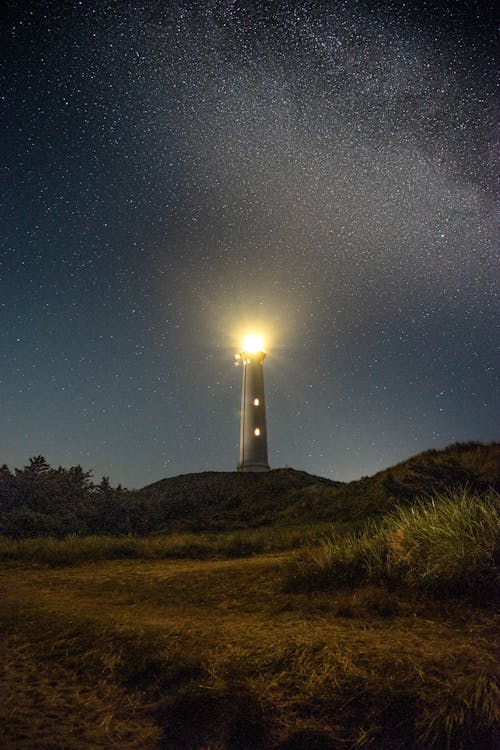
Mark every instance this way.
x=41 y=500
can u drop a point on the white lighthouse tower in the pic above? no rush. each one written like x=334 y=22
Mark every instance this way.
x=253 y=430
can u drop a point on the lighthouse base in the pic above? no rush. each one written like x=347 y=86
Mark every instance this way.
x=253 y=467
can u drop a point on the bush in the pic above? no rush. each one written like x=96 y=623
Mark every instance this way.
x=450 y=543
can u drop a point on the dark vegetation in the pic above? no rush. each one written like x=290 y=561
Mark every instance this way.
x=39 y=500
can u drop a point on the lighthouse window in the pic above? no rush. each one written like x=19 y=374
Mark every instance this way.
x=257 y=431
x=256 y=402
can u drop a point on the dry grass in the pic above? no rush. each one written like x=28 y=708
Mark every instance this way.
x=74 y=549
x=213 y=655
x=48 y=703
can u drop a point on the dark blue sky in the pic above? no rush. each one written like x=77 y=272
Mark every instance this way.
x=175 y=172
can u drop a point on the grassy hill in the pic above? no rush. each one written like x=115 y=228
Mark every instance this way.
x=42 y=501
x=216 y=501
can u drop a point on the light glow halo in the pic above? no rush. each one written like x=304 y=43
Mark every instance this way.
x=253 y=344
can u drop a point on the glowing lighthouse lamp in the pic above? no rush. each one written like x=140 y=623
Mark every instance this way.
x=253 y=432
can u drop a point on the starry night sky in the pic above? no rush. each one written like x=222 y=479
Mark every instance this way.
x=175 y=174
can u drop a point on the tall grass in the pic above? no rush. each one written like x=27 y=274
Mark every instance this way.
x=450 y=543
x=74 y=550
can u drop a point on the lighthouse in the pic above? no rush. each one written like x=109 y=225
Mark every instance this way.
x=253 y=430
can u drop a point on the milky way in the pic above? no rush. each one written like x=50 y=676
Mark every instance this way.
x=176 y=171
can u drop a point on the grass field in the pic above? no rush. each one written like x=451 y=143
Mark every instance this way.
x=218 y=655
x=73 y=549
